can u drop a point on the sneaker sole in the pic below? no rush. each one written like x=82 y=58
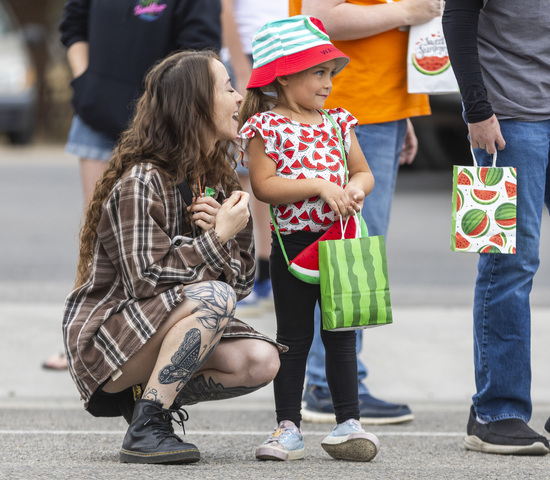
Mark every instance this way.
x=265 y=453
x=472 y=442
x=357 y=447
x=319 y=417
x=182 y=456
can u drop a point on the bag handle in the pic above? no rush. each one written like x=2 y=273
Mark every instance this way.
x=341 y=142
x=278 y=234
x=343 y=226
x=475 y=161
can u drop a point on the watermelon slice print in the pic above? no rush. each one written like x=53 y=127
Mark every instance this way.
x=465 y=178
x=459 y=200
x=489 y=249
x=461 y=243
x=499 y=239
x=484 y=197
x=307 y=164
x=430 y=55
x=511 y=190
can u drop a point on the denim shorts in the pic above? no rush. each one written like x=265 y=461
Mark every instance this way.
x=84 y=142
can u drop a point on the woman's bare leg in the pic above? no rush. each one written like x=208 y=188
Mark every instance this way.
x=181 y=346
x=237 y=367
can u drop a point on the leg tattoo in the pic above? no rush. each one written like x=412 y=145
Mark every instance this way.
x=217 y=303
x=151 y=394
x=184 y=361
x=216 y=306
x=198 y=389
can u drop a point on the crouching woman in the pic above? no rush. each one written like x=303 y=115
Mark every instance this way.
x=150 y=324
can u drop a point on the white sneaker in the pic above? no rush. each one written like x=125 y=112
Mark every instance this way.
x=285 y=443
x=348 y=441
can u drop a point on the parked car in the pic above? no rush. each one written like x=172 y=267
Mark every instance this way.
x=18 y=82
x=442 y=136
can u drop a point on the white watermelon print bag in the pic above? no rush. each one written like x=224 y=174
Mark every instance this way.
x=484 y=209
x=428 y=65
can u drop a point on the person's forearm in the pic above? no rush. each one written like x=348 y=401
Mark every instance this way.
x=240 y=63
x=460 y=22
x=78 y=58
x=348 y=21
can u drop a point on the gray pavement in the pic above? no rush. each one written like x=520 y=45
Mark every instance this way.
x=424 y=358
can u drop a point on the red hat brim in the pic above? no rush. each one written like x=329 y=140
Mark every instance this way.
x=297 y=62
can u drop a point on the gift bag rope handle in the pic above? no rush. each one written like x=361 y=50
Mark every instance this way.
x=475 y=161
x=342 y=149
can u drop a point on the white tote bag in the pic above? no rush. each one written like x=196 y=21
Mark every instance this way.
x=428 y=66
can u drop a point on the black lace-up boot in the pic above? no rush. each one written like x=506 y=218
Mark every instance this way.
x=151 y=438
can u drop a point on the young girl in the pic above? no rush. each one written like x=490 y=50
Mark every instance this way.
x=296 y=165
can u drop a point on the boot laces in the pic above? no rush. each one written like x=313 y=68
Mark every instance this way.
x=161 y=420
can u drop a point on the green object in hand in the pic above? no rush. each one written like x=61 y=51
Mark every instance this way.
x=209 y=192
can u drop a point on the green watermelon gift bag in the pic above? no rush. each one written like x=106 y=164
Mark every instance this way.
x=484 y=209
x=355 y=290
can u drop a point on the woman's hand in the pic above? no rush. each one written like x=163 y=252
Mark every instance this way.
x=203 y=212
x=233 y=216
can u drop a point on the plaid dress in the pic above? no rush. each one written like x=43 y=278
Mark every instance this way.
x=138 y=272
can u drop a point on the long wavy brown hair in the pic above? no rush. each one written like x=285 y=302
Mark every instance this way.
x=172 y=129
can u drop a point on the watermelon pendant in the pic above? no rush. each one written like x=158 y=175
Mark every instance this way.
x=305 y=265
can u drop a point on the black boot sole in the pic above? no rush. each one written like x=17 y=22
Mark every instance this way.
x=191 y=455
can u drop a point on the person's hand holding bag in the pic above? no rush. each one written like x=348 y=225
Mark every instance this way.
x=233 y=216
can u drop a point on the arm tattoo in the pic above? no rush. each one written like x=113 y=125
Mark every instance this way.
x=198 y=389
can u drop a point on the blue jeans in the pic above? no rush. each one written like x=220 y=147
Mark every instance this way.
x=381 y=143
x=85 y=142
x=502 y=314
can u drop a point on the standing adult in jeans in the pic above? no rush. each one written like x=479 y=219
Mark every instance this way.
x=374 y=88
x=500 y=51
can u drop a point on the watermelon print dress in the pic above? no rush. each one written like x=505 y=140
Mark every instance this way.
x=302 y=150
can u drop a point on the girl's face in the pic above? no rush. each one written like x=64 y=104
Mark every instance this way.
x=226 y=103
x=310 y=88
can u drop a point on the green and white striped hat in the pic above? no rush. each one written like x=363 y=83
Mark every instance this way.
x=288 y=46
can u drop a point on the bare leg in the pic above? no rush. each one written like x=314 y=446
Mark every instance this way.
x=237 y=367
x=90 y=172
x=181 y=346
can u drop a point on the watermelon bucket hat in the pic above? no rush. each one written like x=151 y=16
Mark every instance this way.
x=289 y=46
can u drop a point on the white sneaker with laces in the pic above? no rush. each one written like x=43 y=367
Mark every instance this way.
x=285 y=443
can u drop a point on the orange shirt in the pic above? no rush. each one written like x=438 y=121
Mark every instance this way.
x=373 y=87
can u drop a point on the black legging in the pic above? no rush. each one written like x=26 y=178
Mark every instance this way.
x=294 y=307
